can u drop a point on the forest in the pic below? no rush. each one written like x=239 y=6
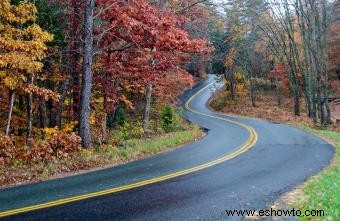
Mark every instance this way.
x=82 y=76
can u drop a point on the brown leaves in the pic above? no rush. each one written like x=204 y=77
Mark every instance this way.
x=7 y=149
x=59 y=146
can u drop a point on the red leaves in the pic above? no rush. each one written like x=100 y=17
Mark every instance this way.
x=142 y=43
x=278 y=71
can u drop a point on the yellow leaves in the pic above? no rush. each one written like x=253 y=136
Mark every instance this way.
x=51 y=131
x=29 y=41
x=21 y=14
x=229 y=62
x=2 y=74
x=239 y=77
x=15 y=60
x=241 y=86
x=10 y=83
x=99 y=100
x=92 y=119
x=22 y=47
x=37 y=33
x=31 y=33
x=33 y=49
x=69 y=128
x=241 y=90
x=13 y=82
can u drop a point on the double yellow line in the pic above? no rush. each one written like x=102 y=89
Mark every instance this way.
x=246 y=146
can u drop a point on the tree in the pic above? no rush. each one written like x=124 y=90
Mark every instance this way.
x=86 y=86
x=142 y=48
x=334 y=43
x=297 y=37
x=243 y=37
x=22 y=49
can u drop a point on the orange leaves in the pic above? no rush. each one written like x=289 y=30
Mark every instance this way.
x=42 y=92
x=126 y=102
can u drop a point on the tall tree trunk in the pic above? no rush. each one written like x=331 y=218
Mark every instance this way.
x=75 y=58
x=328 y=111
x=296 y=104
x=42 y=110
x=232 y=87
x=277 y=89
x=319 y=98
x=147 y=107
x=307 y=73
x=29 y=104
x=63 y=92
x=231 y=79
x=323 y=24
x=294 y=82
x=21 y=106
x=314 y=109
x=292 y=57
x=85 y=110
x=9 y=118
x=252 y=92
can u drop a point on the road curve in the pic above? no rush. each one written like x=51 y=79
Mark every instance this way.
x=242 y=163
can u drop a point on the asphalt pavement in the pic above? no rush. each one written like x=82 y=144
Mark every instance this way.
x=241 y=163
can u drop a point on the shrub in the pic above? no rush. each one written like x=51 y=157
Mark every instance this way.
x=60 y=146
x=110 y=120
x=120 y=117
x=168 y=118
x=99 y=131
x=136 y=131
x=7 y=149
x=127 y=131
x=123 y=132
x=49 y=132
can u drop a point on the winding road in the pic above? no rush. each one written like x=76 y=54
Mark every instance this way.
x=241 y=163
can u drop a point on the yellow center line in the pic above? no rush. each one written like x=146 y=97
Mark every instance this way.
x=246 y=146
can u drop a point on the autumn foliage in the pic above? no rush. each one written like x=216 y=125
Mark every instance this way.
x=279 y=79
x=7 y=149
x=22 y=48
x=142 y=44
x=59 y=146
x=135 y=44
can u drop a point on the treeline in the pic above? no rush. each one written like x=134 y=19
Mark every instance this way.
x=283 y=44
x=69 y=66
